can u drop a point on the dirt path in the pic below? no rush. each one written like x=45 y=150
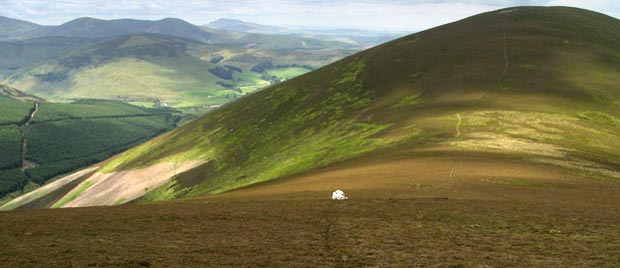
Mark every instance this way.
x=33 y=112
x=458 y=126
x=455 y=168
x=455 y=161
x=505 y=54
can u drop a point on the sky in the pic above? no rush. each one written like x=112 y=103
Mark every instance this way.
x=386 y=15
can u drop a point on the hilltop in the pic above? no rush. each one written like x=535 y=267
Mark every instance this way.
x=97 y=28
x=13 y=27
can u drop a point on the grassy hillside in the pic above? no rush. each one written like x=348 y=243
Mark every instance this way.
x=156 y=70
x=525 y=83
x=403 y=210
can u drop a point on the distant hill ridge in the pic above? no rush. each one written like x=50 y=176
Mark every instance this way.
x=16 y=94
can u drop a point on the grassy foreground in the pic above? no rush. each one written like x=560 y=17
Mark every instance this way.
x=402 y=212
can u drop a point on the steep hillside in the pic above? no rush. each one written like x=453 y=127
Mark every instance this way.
x=537 y=85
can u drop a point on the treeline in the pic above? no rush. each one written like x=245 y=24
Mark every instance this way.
x=10 y=147
x=266 y=65
x=59 y=144
x=225 y=72
x=12 y=180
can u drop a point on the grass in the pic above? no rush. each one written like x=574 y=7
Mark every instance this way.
x=286 y=73
x=459 y=222
x=14 y=111
x=409 y=101
x=599 y=117
x=73 y=194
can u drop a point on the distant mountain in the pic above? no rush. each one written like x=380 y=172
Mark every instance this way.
x=96 y=28
x=361 y=37
x=22 y=53
x=246 y=27
x=100 y=29
x=10 y=28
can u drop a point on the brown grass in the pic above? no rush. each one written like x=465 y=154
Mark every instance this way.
x=404 y=211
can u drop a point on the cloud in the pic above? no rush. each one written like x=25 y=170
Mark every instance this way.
x=401 y=15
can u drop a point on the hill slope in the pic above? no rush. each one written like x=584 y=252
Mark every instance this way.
x=10 y=28
x=147 y=68
x=26 y=53
x=17 y=94
x=537 y=85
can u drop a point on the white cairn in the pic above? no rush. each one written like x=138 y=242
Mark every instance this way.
x=339 y=195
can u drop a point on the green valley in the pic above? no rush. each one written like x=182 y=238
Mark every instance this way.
x=158 y=70
x=63 y=137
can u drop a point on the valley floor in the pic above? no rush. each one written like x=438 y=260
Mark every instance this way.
x=412 y=209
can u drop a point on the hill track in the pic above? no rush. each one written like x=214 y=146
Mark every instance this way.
x=25 y=163
x=505 y=53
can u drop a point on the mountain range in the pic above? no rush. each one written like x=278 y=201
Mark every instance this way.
x=164 y=61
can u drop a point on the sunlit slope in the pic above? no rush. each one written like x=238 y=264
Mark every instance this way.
x=533 y=84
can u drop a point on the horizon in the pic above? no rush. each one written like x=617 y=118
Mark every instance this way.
x=387 y=16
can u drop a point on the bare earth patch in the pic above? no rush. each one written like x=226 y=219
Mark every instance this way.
x=124 y=186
